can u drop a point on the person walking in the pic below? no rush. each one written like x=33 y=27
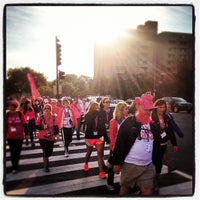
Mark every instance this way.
x=105 y=115
x=67 y=122
x=48 y=133
x=134 y=106
x=119 y=114
x=30 y=117
x=16 y=131
x=133 y=149
x=94 y=137
x=178 y=131
x=75 y=106
x=55 y=107
x=165 y=133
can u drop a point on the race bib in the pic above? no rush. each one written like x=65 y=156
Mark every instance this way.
x=163 y=135
x=95 y=133
x=13 y=129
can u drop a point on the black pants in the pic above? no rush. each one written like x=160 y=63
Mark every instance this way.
x=157 y=156
x=67 y=133
x=15 y=151
x=31 y=128
x=110 y=179
x=47 y=147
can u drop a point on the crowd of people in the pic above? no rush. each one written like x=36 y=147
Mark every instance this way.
x=138 y=135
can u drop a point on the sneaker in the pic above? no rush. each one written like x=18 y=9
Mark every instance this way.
x=102 y=175
x=66 y=154
x=14 y=171
x=86 y=167
x=110 y=187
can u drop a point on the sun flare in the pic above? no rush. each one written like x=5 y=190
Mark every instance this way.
x=107 y=35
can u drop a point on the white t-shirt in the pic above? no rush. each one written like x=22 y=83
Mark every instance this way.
x=141 y=151
x=67 y=119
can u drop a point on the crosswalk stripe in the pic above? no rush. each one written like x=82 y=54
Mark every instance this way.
x=54 y=158
x=63 y=187
x=54 y=170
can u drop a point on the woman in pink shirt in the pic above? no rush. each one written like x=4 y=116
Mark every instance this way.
x=16 y=131
x=30 y=117
x=48 y=133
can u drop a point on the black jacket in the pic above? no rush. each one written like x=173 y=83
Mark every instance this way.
x=92 y=126
x=168 y=129
x=128 y=132
x=104 y=121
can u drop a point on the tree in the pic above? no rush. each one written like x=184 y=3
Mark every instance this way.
x=73 y=85
x=16 y=83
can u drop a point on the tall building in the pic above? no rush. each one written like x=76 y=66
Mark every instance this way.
x=142 y=52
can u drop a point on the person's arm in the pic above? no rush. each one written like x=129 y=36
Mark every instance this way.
x=113 y=133
x=175 y=127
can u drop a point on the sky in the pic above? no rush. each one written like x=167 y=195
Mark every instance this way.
x=31 y=32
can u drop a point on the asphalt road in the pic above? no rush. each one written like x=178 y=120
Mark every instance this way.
x=184 y=159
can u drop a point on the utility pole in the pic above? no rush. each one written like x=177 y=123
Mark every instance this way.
x=58 y=62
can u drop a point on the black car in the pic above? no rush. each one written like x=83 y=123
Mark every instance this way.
x=179 y=104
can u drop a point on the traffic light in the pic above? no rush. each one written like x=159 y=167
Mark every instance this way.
x=58 y=52
x=61 y=74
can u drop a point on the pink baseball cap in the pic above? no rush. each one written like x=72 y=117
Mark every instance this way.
x=146 y=101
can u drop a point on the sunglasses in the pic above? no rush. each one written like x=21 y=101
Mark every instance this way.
x=47 y=108
x=107 y=102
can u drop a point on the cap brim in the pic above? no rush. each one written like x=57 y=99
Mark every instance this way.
x=150 y=108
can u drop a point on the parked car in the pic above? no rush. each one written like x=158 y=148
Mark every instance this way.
x=179 y=104
x=129 y=101
x=114 y=102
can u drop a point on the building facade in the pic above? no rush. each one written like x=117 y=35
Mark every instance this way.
x=143 y=54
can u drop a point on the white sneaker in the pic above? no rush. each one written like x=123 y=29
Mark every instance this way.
x=66 y=154
x=110 y=187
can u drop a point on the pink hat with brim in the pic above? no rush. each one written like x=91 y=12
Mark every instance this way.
x=146 y=101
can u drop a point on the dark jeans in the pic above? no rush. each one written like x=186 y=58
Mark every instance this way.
x=15 y=151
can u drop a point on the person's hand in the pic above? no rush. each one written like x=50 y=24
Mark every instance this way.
x=116 y=169
x=175 y=148
x=57 y=137
x=45 y=126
